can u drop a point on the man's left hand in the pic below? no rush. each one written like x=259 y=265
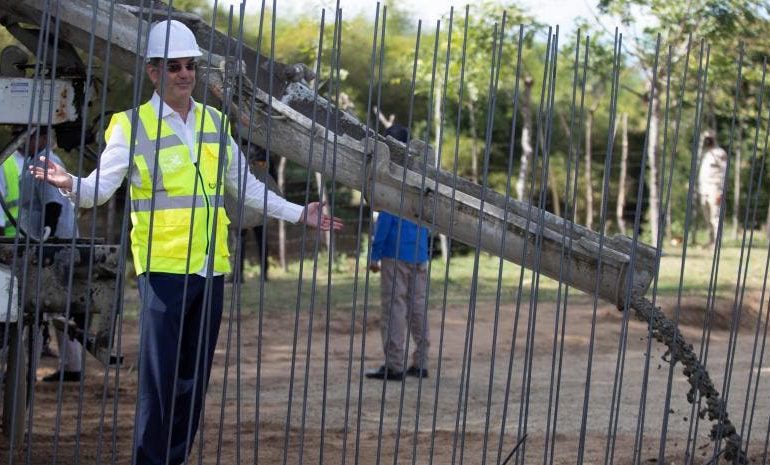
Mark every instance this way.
x=313 y=211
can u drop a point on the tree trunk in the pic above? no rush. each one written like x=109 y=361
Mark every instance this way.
x=667 y=233
x=621 y=206
x=552 y=187
x=281 y=175
x=737 y=181
x=567 y=134
x=587 y=169
x=652 y=163
x=555 y=198
x=526 y=139
x=474 y=151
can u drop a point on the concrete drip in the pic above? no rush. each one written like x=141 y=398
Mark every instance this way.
x=665 y=331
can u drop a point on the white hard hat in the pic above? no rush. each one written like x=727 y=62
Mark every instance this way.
x=181 y=41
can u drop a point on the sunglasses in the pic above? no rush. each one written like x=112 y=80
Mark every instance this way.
x=175 y=67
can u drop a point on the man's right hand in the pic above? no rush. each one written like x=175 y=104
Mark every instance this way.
x=54 y=174
x=374 y=267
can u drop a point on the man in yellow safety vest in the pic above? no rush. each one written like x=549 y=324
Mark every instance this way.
x=178 y=174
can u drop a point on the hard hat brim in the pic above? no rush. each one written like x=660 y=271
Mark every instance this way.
x=191 y=53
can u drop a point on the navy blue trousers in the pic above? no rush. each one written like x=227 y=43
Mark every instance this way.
x=163 y=321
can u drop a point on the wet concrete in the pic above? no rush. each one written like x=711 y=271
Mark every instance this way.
x=665 y=331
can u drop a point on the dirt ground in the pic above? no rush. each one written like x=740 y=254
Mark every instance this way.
x=333 y=421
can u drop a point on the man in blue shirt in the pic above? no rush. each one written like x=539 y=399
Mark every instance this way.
x=400 y=250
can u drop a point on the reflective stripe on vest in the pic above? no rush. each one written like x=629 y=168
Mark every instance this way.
x=11 y=173
x=177 y=197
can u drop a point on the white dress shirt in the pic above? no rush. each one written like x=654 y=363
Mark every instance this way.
x=711 y=175
x=114 y=163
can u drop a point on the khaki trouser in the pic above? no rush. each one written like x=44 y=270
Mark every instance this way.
x=710 y=207
x=402 y=288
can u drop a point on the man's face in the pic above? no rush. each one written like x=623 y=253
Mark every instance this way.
x=179 y=81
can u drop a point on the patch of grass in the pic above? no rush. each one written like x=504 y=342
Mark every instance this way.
x=319 y=288
x=698 y=270
x=280 y=292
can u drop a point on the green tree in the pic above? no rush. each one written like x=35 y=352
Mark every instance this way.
x=723 y=24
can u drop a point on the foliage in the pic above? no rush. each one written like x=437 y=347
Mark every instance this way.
x=721 y=24
x=726 y=25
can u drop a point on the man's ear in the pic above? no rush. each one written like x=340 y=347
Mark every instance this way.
x=153 y=73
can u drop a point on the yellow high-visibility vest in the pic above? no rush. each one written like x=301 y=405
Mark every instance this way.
x=11 y=173
x=186 y=216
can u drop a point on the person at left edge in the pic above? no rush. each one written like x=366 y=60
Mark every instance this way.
x=187 y=157
x=41 y=206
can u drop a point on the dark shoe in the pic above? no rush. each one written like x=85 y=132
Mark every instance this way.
x=417 y=372
x=384 y=373
x=69 y=376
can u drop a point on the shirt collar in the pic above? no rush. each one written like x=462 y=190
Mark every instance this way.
x=167 y=110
